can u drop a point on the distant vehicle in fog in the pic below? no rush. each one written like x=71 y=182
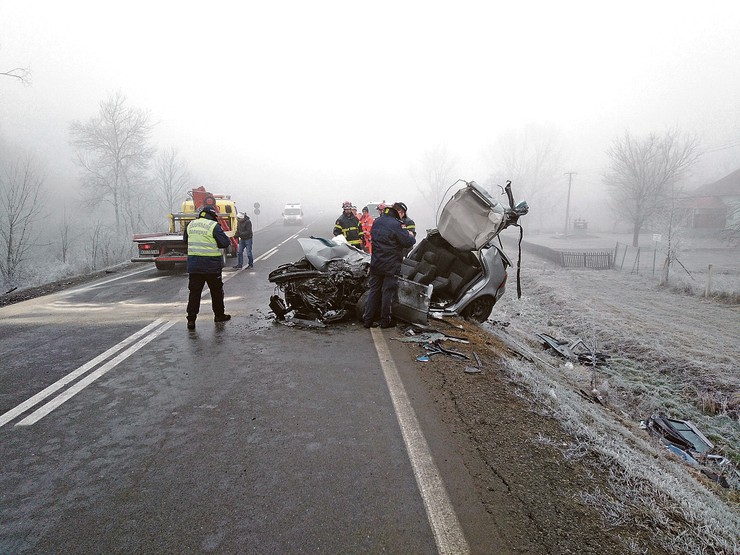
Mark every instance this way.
x=292 y=214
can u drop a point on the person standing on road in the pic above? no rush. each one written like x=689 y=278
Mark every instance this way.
x=366 y=224
x=348 y=225
x=205 y=238
x=389 y=241
x=244 y=233
x=408 y=223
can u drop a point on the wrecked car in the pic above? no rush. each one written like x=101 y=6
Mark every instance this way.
x=324 y=285
x=455 y=270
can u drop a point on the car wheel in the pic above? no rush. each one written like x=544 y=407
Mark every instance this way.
x=164 y=266
x=479 y=309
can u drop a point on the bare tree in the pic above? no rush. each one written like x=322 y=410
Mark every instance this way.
x=532 y=159
x=642 y=172
x=172 y=178
x=434 y=174
x=22 y=206
x=23 y=74
x=114 y=153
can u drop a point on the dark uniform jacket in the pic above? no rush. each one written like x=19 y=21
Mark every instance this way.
x=389 y=241
x=244 y=228
x=207 y=264
x=349 y=226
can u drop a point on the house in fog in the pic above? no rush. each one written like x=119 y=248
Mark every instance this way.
x=715 y=206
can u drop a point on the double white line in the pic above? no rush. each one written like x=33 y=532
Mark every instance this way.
x=158 y=328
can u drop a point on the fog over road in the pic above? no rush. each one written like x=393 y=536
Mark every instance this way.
x=123 y=432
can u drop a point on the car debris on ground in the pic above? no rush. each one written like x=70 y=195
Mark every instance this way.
x=575 y=351
x=684 y=440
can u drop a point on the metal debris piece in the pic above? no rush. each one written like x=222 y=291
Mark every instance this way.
x=471 y=370
x=576 y=351
x=430 y=337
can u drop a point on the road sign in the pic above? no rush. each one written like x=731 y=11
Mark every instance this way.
x=256 y=207
x=257 y=211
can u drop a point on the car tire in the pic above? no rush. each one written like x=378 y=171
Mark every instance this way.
x=479 y=309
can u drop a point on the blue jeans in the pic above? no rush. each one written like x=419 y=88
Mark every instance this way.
x=381 y=292
x=244 y=244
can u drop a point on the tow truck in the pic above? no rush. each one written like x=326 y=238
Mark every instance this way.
x=167 y=250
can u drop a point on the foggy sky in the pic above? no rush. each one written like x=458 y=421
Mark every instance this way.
x=339 y=99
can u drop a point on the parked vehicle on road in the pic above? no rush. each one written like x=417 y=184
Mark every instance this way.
x=168 y=249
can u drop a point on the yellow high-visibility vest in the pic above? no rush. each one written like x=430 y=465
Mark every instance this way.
x=201 y=241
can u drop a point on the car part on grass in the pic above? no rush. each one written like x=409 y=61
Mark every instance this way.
x=685 y=440
x=574 y=351
x=681 y=433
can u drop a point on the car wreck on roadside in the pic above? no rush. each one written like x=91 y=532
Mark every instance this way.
x=456 y=270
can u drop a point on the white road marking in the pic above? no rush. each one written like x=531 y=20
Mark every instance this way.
x=267 y=255
x=90 y=378
x=99 y=283
x=56 y=386
x=445 y=526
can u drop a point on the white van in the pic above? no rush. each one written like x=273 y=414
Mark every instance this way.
x=292 y=214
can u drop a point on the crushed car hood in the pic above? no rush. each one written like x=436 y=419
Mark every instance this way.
x=319 y=252
x=471 y=218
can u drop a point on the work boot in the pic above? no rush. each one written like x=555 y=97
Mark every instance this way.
x=191 y=323
x=222 y=318
x=386 y=325
x=237 y=267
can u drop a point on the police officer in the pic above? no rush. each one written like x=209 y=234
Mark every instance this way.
x=389 y=239
x=205 y=238
x=348 y=225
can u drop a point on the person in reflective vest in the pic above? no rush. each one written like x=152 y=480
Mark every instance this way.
x=348 y=225
x=205 y=239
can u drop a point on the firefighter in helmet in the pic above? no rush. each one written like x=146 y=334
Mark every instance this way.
x=348 y=225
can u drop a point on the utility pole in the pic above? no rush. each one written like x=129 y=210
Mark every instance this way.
x=567 y=204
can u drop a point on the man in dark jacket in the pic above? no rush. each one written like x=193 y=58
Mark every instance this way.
x=348 y=225
x=389 y=241
x=205 y=238
x=244 y=233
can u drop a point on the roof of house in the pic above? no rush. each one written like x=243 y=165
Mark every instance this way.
x=728 y=186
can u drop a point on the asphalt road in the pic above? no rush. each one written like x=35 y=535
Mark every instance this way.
x=123 y=432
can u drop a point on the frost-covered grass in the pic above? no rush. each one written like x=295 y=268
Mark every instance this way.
x=648 y=489
x=670 y=353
